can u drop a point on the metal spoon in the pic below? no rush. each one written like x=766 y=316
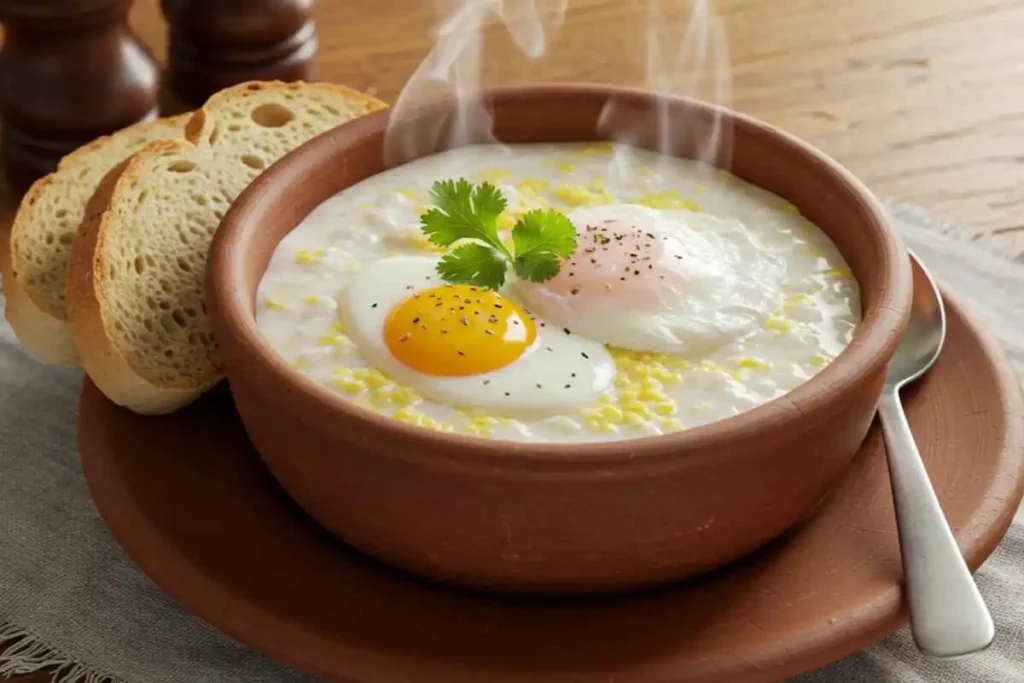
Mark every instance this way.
x=947 y=614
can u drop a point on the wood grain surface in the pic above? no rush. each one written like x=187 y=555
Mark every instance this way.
x=923 y=99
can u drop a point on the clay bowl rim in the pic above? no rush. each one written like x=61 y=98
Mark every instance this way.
x=872 y=346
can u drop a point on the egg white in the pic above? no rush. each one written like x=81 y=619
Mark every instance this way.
x=732 y=285
x=557 y=373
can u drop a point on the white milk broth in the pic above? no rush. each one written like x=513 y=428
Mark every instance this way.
x=807 y=304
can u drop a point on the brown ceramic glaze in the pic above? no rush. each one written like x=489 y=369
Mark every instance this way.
x=188 y=499
x=214 y=44
x=547 y=518
x=70 y=71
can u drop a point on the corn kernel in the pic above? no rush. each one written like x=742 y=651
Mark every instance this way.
x=669 y=199
x=751 y=363
x=664 y=408
x=652 y=395
x=506 y=221
x=778 y=325
x=331 y=340
x=839 y=272
x=791 y=208
x=611 y=413
x=819 y=360
x=274 y=305
x=795 y=301
x=403 y=396
x=350 y=386
x=377 y=379
x=637 y=408
x=304 y=256
x=650 y=384
x=565 y=166
x=633 y=419
x=533 y=185
x=578 y=195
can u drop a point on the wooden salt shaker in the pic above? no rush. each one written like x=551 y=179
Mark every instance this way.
x=217 y=43
x=69 y=71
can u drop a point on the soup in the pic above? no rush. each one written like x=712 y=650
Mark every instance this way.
x=689 y=296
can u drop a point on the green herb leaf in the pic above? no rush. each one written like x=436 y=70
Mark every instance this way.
x=541 y=238
x=464 y=212
x=544 y=232
x=539 y=267
x=473 y=264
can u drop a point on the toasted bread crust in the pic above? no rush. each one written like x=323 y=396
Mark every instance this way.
x=92 y=330
x=107 y=354
x=38 y=320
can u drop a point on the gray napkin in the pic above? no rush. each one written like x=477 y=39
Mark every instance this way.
x=69 y=597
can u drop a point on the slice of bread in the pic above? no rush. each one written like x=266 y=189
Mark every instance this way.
x=136 y=284
x=35 y=262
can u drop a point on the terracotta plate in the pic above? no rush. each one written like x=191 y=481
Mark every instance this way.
x=190 y=502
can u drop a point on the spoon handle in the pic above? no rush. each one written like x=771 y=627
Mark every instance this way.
x=947 y=614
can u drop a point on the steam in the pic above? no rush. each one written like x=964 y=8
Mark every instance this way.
x=452 y=69
x=691 y=59
x=685 y=53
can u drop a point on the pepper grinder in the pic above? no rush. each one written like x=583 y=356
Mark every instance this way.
x=69 y=72
x=214 y=44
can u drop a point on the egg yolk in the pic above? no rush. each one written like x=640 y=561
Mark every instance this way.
x=457 y=330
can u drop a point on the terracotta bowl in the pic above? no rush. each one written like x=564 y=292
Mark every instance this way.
x=558 y=519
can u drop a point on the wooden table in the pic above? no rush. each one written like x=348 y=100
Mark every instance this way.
x=923 y=99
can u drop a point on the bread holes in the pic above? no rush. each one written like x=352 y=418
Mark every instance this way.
x=331 y=110
x=50 y=239
x=178 y=317
x=60 y=213
x=272 y=115
x=254 y=162
x=200 y=199
x=214 y=134
x=66 y=239
x=181 y=166
x=235 y=127
x=151 y=302
x=143 y=196
x=183 y=264
x=140 y=265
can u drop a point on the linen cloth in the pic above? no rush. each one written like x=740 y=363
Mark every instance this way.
x=70 y=597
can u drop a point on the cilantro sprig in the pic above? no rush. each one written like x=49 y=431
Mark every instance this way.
x=541 y=238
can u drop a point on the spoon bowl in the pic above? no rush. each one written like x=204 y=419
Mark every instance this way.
x=925 y=334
